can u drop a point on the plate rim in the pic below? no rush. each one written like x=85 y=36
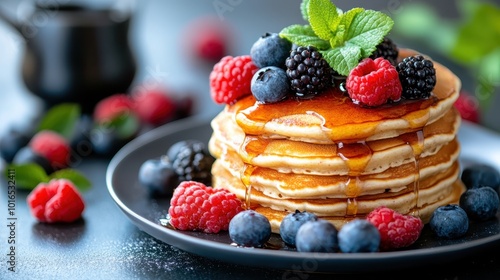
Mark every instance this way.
x=371 y=261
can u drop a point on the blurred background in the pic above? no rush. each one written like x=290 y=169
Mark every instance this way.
x=167 y=42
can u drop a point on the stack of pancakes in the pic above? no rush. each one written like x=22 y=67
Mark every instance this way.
x=338 y=160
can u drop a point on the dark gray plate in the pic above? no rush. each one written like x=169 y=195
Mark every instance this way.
x=478 y=145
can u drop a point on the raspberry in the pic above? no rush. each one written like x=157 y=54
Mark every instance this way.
x=207 y=38
x=153 y=107
x=110 y=107
x=468 y=107
x=196 y=207
x=230 y=78
x=51 y=146
x=374 y=82
x=396 y=230
x=56 y=201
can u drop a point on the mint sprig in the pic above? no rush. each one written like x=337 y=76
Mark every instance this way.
x=343 y=38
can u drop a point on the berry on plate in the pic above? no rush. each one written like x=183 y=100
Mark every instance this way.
x=270 y=50
x=230 y=78
x=153 y=107
x=417 y=76
x=291 y=224
x=481 y=175
x=249 y=229
x=191 y=161
x=468 y=107
x=481 y=203
x=196 y=207
x=158 y=177
x=396 y=230
x=449 y=221
x=388 y=50
x=53 y=147
x=358 y=236
x=373 y=82
x=56 y=201
x=317 y=236
x=270 y=84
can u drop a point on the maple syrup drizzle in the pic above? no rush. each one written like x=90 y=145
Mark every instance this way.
x=416 y=141
x=245 y=179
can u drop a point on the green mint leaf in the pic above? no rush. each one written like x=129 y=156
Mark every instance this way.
x=28 y=175
x=323 y=18
x=61 y=119
x=475 y=37
x=303 y=35
x=304 y=9
x=367 y=29
x=80 y=181
x=126 y=125
x=343 y=59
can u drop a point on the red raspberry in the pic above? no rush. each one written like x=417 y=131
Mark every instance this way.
x=51 y=146
x=374 y=82
x=153 y=107
x=112 y=106
x=468 y=107
x=55 y=201
x=194 y=206
x=207 y=38
x=230 y=78
x=396 y=230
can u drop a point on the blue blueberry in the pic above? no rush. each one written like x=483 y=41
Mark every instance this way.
x=249 y=229
x=480 y=203
x=270 y=50
x=359 y=236
x=481 y=175
x=449 y=221
x=26 y=155
x=317 y=236
x=11 y=143
x=270 y=84
x=158 y=176
x=291 y=224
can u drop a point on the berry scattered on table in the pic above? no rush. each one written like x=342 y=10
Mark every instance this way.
x=53 y=147
x=308 y=72
x=270 y=50
x=481 y=175
x=196 y=207
x=291 y=224
x=230 y=78
x=158 y=176
x=191 y=161
x=207 y=39
x=373 y=82
x=449 y=221
x=56 y=201
x=249 y=229
x=317 y=236
x=26 y=155
x=480 y=203
x=417 y=76
x=359 y=236
x=270 y=84
x=11 y=143
x=111 y=107
x=468 y=107
x=396 y=230
x=386 y=49
x=153 y=107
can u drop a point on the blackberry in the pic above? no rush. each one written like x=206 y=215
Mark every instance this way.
x=191 y=162
x=388 y=50
x=308 y=72
x=417 y=76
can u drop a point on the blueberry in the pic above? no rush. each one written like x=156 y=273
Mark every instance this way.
x=449 y=221
x=11 y=143
x=480 y=203
x=317 y=236
x=359 y=236
x=270 y=84
x=291 y=224
x=270 y=50
x=481 y=174
x=26 y=155
x=250 y=229
x=158 y=176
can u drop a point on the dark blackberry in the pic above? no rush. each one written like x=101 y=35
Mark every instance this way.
x=388 y=50
x=417 y=76
x=309 y=73
x=192 y=162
